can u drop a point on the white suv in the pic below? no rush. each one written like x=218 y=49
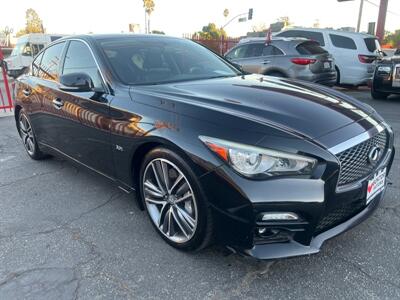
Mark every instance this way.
x=354 y=53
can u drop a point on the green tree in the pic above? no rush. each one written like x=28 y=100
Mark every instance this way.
x=211 y=31
x=392 y=39
x=148 y=8
x=33 y=23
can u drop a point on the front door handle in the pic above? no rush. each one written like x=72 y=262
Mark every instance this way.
x=58 y=103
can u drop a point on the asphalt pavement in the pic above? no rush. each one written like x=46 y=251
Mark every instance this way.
x=66 y=233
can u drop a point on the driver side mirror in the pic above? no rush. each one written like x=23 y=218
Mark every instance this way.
x=76 y=82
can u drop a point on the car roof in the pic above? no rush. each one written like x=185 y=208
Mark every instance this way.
x=334 y=31
x=274 y=39
x=120 y=36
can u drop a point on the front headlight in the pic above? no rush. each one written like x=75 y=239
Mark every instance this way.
x=254 y=161
x=384 y=69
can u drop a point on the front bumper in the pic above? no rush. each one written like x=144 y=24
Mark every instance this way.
x=324 y=78
x=237 y=204
x=294 y=248
x=386 y=83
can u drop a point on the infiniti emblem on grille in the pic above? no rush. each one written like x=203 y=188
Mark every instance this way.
x=374 y=155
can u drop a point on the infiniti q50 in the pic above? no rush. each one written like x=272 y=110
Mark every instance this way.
x=271 y=167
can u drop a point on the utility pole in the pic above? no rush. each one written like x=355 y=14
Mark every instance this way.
x=380 y=28
x=360 y=15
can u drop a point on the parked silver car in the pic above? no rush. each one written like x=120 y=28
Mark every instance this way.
x=285 y=57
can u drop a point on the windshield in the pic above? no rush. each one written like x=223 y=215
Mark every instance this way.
x=18 y=49
x=144 y=60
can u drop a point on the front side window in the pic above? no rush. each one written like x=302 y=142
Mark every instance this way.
x=36 y=48
x=36 y=64
x=147 y=61
x=27 y=50
x=79 y=59
x=343 y=42
x=238 y=52
x=255 y=50
x=49 y=66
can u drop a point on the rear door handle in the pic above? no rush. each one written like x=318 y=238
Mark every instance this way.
x=266 y=62
x=58 y=103
x=26 y=92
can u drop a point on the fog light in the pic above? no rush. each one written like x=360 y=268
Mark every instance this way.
x=261 y=230
x=279 y=216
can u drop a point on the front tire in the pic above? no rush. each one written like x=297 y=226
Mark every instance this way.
x=28 y=137
x=174 y=200
x=378 y=95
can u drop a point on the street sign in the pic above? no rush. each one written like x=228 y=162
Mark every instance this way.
x=244 y=19
x=371 y=28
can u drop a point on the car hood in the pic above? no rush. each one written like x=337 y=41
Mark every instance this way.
x=308 y=109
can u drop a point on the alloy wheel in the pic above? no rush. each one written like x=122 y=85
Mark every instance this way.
x=170 y=200
x=26 y=132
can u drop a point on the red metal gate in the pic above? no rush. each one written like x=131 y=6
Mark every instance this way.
x=6 y=103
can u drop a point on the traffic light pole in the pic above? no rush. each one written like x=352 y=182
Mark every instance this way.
x=360 y=15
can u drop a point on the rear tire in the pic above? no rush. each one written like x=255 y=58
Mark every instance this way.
x=165 y=179
x=28 y=137
x=337 y=76
x=276 y=74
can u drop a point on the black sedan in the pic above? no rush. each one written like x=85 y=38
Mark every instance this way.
x=270 y=167
x=386 y=78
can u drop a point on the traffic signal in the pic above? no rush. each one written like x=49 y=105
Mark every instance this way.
x=250 y=15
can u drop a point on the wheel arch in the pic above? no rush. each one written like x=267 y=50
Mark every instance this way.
x=276 y=70
x=139 y=153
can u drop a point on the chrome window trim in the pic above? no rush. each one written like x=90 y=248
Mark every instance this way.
x=357 y=139
x=95 y=60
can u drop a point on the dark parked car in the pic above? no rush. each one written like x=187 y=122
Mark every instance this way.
x=271 y=167
x=285 y=57
x=386 y=78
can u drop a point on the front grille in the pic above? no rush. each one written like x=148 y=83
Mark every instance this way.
x=354 y=164
x=340 y=215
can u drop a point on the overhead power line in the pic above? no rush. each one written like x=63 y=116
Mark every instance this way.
x=377 y=5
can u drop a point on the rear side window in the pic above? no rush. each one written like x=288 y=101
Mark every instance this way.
x=271 y=50
x=310 y=48
x=311 y=35
x=372 y=44
x=344 y=42
x=79 y=59
x=51 y=61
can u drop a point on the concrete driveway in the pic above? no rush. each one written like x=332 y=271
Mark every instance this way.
x=68 y=234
